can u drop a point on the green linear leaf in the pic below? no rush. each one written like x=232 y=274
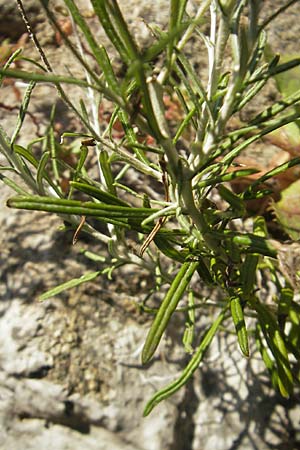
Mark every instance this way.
x=98 y=193
x=64 y=206
x=23 y=110
x=187 y=119
x=163 y=42
x=98 y=51
x=41 y=171
x=22 y=151
x=122 y=29
x=277 y=346
x=168 y=306
x=239 y=323
x=12 y=184
x=103 y=16
x=268 y=361
x=56 y=79
x=107 y=172
x=10 y=61
x=278 y=69
x=167 y=249
x=248 y=243
x=272 y=173
x=190 y=368
x=227 y=177
x=28 y=155
x=69 y=284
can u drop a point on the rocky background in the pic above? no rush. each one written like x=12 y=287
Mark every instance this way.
x=70 y=372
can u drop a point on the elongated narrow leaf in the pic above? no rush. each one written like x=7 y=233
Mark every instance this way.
x=234 y=200
x=278 y=69
x=248 y=269
x=64 y=206
x=83 y=62
x=137 y=71
x=69 y=284
x=10 y=61
x=29 y=157
x=98 y=193
x=79 y=167
x=277 y=346
x=122 y=29
x=168 y=306
x=132 y=140
x=239 y=323
x=107 y=172
x=56 y=79
x=156 y=97
x=248 y=273
x=256 y=245
x=21 y=163
x=13 y=185
x=248 y=243
x=227 y=177
x=41 y=172
x=163 y=42
x=82 y=158
x=285 y=301
x=274 y=172
x=23 y=110
x=168 y=249
x=174 y=14
x=203 y=271
x=194 y=81
x=26 y=154
x=268 y=361
x=189 y=332
x=190 y=368
x=98 y=51
x=100 y=8
x=293 y=333
x=192 y=96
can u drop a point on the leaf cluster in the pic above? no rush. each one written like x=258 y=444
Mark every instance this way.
x=189 y=218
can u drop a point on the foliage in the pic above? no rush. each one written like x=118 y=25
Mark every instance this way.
x=175 y=134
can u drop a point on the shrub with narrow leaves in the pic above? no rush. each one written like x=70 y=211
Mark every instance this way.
x=175 y=132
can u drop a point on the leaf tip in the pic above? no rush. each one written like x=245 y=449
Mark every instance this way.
x=148 y=408
x=146 y=356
